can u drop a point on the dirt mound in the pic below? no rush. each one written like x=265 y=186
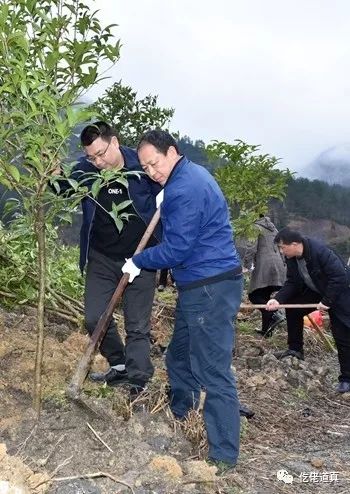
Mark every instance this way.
x=18 y=478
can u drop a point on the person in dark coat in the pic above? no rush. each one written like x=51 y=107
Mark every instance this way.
x=268 y=274
x=104 y=249
x=315 y=274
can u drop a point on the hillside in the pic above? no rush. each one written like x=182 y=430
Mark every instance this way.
x=300 y=424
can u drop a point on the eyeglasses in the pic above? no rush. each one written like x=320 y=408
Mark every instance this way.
x=101 y=154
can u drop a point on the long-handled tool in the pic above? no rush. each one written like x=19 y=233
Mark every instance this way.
x=74 y=388
x=323 y=337
x=281 y=306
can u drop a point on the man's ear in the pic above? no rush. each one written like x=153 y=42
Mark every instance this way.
x=172 y=153
x=115 y=141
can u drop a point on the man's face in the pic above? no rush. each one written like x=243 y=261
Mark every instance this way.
x=104 y=154
x=157 y=165
x=295 y=249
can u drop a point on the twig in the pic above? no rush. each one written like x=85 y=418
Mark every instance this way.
x=61 y=465
x=23 y=445
x=326 y=341
x=337 y=402
x=99 y=437
x=43 y=463
x=7 y=294
x=88 y=476
x=63 y=316
x=53 y=473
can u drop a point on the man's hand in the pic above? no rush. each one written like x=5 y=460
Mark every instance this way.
x=322 y=308
x=272 y=304
x=130 y=268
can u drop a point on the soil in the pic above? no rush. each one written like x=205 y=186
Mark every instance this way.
x=301 y=425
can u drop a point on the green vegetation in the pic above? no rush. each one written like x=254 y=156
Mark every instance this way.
x=249 y=181
x=315 y=199
x=131 y=117
x=49 y=55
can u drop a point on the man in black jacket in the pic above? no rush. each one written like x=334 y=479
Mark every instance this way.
x=105 y=249
x=315 y=274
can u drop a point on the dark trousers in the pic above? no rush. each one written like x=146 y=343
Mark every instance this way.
x=340 y=331
x=200 y=356
x=102 y=277
x=262 y=296
x=163 y=277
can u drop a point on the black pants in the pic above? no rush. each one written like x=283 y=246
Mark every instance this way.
x=261 y=296
x=340 y=331
x=163 y=277
x=102 y=277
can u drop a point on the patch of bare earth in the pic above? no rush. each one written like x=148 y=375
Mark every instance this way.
x=300 y=425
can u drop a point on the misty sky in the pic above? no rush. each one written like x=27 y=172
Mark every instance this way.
x=270 y=72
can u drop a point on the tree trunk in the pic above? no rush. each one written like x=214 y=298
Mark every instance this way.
x=40 y=235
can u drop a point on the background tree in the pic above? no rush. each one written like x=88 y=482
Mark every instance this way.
x=131 y=117
x=49 y=55
x=249 y=181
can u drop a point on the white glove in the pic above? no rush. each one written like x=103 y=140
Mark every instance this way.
x=321 y=307
x=130 y=268
x=159 y=198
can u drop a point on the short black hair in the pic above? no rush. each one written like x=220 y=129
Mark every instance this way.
x=160 y=139
x=97 y=129
x=288 y=236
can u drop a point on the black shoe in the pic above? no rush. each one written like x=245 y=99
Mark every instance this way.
x=289 y=353
x=222 y=466
x=113 y=377
x=343 y=387
x=244 y=411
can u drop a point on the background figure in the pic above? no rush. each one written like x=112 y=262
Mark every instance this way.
x=315 y=274
x=163 y=279
x=269 y=272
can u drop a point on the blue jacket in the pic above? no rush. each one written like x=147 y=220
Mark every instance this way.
x=142 y=191
x=197 y=238
x=329 y=274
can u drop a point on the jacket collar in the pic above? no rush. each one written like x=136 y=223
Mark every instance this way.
x=177 y=168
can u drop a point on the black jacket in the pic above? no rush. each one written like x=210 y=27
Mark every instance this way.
x=142 y=191
x=329 y=274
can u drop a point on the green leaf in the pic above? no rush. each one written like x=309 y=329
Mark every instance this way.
x=122 y=205
x=73 y=183
x=96 y=187
x=14 y=172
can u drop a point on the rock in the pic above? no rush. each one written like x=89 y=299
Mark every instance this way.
x=159 y=443
x=257 y=380
x=322 y=371
x=293 y=378
x=253 y=363
x=167 y=465
x=317 y=462
x=200 y=471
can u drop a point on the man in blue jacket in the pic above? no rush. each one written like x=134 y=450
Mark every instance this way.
x=105 y=249
x=198 y=246
x=315 y=274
